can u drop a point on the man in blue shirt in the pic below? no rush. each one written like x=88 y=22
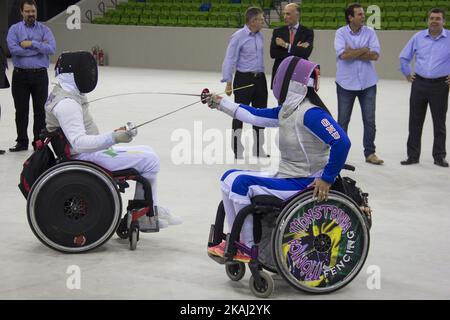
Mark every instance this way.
x=244 y=55
x=4 y=83
x=30 y=43
x=430 y=85
x=357 y=48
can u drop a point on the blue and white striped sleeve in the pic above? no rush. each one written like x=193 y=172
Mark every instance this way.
x=266 y=117
x=322 y=125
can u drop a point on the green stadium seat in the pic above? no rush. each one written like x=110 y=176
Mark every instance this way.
x=394 y=25
x=338 y=7
x=405 y=16
x=212 y=20
x=154 y=18
x=121 y=6
x=307 y=15
x=164 y=19
x=182 y=19
x=192 y=19
x=317 y=15
x=415 y=5
x=341 y=22
x=185 y=7
x=320 y=25
x=331 y=25
x=217 y=7
x=115 y=20
x=421 y=25
x=428 y=5
x=145 y=21
x=329 y=15
x=445 y=5
x=318 y=6
x=234 y=21
x=409 y=25
x=222 y=20
x=124 y=20
x=420 y=15
x=98 y=20
x=166 y=7
x=202 y=20
x=402 y=5
x=175 y=9
x=307 y=7
x=391 y=16
x=134 y=21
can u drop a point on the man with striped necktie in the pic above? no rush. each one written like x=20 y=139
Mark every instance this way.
x=293 y=39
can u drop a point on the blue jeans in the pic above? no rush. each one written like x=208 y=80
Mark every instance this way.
x=366 y=97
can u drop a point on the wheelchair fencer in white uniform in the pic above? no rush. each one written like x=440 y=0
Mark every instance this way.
x=76 y=206
x=291 y=223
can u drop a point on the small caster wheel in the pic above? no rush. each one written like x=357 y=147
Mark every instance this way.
x=122 y=230
x=235 y=270
x=267 y=287
x=134 y=237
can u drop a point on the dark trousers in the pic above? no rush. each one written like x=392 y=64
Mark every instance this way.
x=367 y=100
x=257 y=97
x=424 y=92
x=24 y=84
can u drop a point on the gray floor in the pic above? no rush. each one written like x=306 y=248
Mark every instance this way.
x=409 y=238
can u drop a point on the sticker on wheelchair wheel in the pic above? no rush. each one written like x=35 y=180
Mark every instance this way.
x=322 y=245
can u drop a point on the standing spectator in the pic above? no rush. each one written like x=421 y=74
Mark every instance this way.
x=4 y=83
x=357 y=48
x=291 y=40
x=245 y=55
x=30 y=43
x=430 y=85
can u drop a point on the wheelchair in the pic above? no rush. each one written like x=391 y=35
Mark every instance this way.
x=75 y=206
x=317 y=247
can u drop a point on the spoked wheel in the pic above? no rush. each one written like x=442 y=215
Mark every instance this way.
x=320 y=247
x=74 y=207
x=266 y=289
x=235 y=270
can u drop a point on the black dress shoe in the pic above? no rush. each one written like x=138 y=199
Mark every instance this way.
x=18 y=147
x=2 y=151
x=408 y=162
x=441 y=163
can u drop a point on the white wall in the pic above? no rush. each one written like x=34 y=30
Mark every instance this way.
x=202 y=48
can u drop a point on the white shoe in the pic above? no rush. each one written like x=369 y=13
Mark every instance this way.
x=163 y=223
x=165 y=215
x=147 y=224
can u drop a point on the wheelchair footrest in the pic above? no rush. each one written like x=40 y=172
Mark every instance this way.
x=219 y=260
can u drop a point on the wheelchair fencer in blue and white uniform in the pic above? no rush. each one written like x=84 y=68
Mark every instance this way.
x=316 y=222
x=84 y=209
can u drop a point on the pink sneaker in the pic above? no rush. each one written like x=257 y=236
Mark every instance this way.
x=218 y=250
x=242 y=257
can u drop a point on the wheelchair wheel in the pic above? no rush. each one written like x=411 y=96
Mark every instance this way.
x=267 y=288
x=320 y=247
x=134 y=237
x=74 y=207
x=122 y=231
x=235 y=270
